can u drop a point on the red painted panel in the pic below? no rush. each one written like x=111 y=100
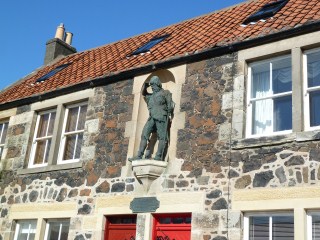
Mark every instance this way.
x=172 y=227
x=120 y=228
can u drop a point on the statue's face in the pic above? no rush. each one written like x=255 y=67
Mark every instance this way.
x=155 y=88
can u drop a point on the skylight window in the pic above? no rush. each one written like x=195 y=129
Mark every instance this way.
x=146 y=47
x=52 y=72
x=266 y=11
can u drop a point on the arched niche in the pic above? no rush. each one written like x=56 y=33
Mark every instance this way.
x=172 y=80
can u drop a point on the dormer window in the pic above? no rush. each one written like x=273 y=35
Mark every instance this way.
x=146 y=47
x=266 y=11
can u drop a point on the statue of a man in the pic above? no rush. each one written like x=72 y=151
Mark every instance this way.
x=160 y=106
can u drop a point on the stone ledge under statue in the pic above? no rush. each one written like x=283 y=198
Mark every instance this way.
x=148 y=170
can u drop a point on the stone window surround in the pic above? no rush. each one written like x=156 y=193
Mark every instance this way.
x=295 y=46
x=300 y=200
x=60 y=104
x=40 y=212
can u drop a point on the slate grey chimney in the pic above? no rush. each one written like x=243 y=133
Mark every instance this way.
x=57 y=46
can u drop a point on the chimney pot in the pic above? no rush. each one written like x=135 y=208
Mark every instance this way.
x=69 y=38
x=60 y=32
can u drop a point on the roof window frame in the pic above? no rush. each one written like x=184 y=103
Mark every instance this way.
x=150 y=44
x=266 y=11
x=52 y=72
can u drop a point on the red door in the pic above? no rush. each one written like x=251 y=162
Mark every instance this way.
x=172 y=227
x=121 y=228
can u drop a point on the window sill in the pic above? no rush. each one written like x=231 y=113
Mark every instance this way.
x=50 y=168
x=276 y=140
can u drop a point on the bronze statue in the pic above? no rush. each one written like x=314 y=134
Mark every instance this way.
x=160 y=106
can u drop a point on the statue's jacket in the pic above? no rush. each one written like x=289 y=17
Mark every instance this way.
x=160 y=105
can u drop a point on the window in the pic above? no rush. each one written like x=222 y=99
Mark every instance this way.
x=52 y=72
x=72 y=133
x=121 y=227
x=312 y=88
x=269 y=97
x=42 y=138
x=313 y=225
x=3 y=135
x=172 y=226
x=266 y=11
x=25 y=229
x=58 y=142
x=57 y=229
x=269 y=227
x=146 y=47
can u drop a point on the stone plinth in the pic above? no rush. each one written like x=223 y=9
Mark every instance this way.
x=148 y=170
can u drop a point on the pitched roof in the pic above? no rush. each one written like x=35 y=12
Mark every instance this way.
x=186 y=38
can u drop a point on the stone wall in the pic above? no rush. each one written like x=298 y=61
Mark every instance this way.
x=211 y=158
x=103 y=154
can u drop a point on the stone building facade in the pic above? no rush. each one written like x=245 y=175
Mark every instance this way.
x=215 y=175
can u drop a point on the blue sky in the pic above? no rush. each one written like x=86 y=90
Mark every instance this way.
x=28 y=25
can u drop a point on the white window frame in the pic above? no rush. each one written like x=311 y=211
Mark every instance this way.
x=306 y=91
x=46 y=235
x=273 y=96
x=309 y=223
x=1 y=136
x=246 y=221
x=34 y=141
x=64 y=134
x=18 y=227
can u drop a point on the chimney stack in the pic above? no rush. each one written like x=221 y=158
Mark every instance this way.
x=59 y=46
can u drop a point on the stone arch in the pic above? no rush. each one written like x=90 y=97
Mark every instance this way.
x=172 y=80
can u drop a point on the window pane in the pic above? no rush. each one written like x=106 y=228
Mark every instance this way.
x=42 y=151
x=262 y=116
x=27 y=230
x=282 y=228
x=43 y=124
x=51 y=123
x=79 y=144
x=57 y=229
x=316 y=227
x=281 y=76
x=4 y=129
x=259 y=228
x=72 y=119
x=82 y=117
x=165 y=220
x=69 y=147
x=282 y=114
x=260 y=80
x=313 y=66
x=314 y=108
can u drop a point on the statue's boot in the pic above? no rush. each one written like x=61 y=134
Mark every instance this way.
x=161 y=147
x=142 y=147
